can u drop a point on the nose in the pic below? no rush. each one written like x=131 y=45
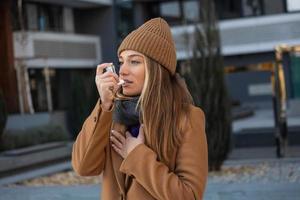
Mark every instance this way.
x=123 y=69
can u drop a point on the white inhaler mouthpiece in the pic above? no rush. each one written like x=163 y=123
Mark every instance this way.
x=112 y=68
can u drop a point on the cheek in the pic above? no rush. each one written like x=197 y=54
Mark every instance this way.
x=141 y=79
x=139 y=74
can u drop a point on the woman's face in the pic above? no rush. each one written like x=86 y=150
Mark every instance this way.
x=132 y=71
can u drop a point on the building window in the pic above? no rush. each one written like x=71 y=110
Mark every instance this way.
x=170 y=11
x=293 y=5
x=43 y=17
x=230 y=9
x=178 y=12
x=273 y=7
x=252 y=7
x=125 y=22
x=191 y=11
x=50 y=18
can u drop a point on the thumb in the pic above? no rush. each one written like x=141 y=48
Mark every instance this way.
x=128 y=134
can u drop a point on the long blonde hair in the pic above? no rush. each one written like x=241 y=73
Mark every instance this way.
x=164 y=105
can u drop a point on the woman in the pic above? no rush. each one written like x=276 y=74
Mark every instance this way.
x=145 y=136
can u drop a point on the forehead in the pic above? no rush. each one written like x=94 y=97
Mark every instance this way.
x=130 y=53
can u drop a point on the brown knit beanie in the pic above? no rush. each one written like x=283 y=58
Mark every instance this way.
x=153 y=39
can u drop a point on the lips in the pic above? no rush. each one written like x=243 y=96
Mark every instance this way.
x=127 y=82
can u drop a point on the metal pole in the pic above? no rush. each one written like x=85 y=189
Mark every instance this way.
x=48 y=89
x=21 y=103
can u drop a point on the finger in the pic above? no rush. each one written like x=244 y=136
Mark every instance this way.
x=109 y=86
x=117 y=149
x=119 y=136
x=109 y=79
x=116 y=142
x=109 y=74
x=97 y=79
x=101 y=67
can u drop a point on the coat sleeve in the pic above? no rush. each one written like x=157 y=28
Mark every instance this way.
x=189 y=178
x=88 y=154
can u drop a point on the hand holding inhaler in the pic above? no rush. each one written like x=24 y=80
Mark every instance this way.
x=108 y=83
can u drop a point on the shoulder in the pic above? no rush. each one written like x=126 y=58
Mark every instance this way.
x=195 y=122
x=193 y=133
x=195 y=114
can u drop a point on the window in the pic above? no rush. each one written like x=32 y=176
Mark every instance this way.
x=43 y=17
x=32 y=19
x=293 y=5
x=273 y=7
x=252 y=7
x=170 y=11
x=177 y=12
x=230 y=9
x=50 y=18
x=124 y=13
x=191 y=11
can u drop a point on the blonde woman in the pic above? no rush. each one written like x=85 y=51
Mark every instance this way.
x=144 y=136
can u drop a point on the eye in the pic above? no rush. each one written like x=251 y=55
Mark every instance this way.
x=120 y=63
x=135 y=62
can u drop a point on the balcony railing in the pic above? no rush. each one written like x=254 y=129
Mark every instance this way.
x=245 y=36
x=61 y=50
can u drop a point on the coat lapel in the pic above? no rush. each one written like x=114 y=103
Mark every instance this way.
x=117 y=159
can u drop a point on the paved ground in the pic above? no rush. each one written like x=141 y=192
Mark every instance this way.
x=253 y=191
x=274 y=180
x=241 y=179
x=51 y=193
x=234 y=191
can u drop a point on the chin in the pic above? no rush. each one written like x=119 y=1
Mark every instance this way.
x=127 y=92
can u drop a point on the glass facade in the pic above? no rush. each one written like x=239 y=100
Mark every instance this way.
x=39 y=17
x=293 y=5
x=66 y=85
x=178 y=12
x=125 y=20
x=230 y=9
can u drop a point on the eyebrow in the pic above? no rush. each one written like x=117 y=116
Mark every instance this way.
x=132 y=55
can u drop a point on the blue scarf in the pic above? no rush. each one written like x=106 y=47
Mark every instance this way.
x=125 y=112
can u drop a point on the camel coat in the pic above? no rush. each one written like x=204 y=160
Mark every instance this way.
x=140 y=176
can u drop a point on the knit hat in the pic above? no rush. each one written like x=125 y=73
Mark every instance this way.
x=153 y=39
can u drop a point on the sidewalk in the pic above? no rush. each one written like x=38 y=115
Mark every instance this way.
x=247 y=179
x=234 y=191
x=51 y=193
x=253 y=191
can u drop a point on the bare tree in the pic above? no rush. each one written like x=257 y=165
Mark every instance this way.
x=205 y=78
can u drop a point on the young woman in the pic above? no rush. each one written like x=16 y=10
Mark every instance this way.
x=145 y=136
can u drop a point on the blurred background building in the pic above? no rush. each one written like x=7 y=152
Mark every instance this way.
x=50 y=50
x=59 y=43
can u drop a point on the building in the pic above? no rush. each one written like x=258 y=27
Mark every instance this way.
x=61 y=42
x=52 y=50
x=249 y=31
